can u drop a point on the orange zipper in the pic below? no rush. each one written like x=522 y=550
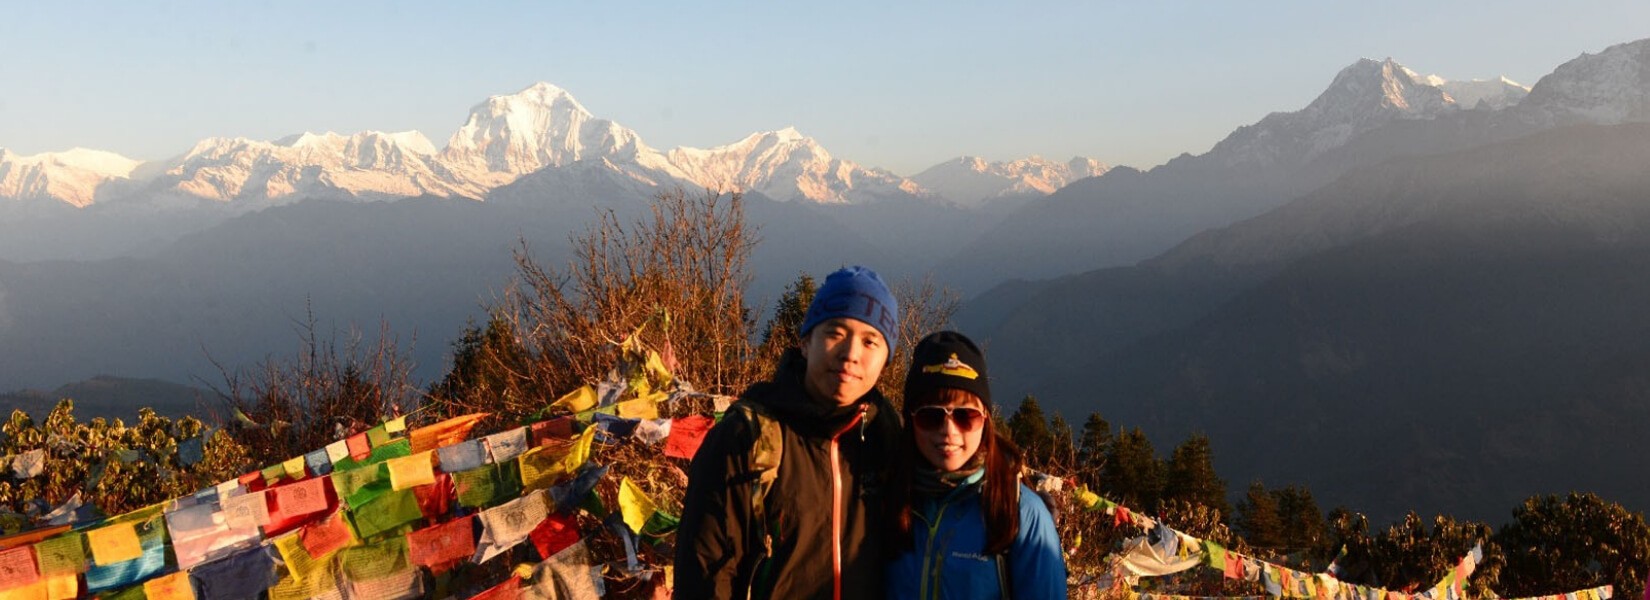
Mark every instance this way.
x=836 y=507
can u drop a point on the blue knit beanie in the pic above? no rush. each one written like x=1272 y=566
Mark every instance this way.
x=856 y=293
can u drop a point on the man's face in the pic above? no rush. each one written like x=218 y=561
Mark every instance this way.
x=845 y=357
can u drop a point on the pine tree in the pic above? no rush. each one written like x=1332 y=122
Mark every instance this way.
x=1133 y=475
x=1192 y=475
x=781 y=331
x=1258 y=520
x=1029 y=429
x=1303 y=523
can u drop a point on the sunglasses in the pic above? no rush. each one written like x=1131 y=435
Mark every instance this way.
x=933 y=417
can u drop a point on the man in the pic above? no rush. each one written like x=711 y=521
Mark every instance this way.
x=781 y=498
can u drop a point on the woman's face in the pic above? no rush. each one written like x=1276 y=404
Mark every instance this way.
x=949 y=441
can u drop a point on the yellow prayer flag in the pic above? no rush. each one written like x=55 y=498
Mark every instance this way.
x=542 y=466
x=169 y=587
x=578 y=400
x=396 y=425
x=298 y=560
x=1086 y=498
x=294 y=467
x=113 y=544
x=641 y=408
x=635 y=505
x=411 y=471
x=59 y=587
x=656 y=370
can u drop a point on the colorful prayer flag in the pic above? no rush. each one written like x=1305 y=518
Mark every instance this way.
x=411 y=471
x=114 y=543
x=247 y=510
x=635 y=504
x=554 y=534
x=508 y=524
x=445 y=433
x=686 y=434
x=172 y=586
x=17 y=567
x=438 y=546
x=578 y=400
x=331 y=533
x=62 y=555
x=463 y=456
x=506 y=445
x=298 y=499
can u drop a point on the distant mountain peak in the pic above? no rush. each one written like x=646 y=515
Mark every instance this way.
x=974 y=181
x=1607 y=88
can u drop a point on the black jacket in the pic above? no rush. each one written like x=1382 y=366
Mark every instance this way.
x=717 y=547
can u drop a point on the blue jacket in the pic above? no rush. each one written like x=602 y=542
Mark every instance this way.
x=948 y=559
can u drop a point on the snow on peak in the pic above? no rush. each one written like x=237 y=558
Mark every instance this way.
x=1607 y=88
x=788 y=166
x=508 y=136
x=973 y=181
x=72 y=176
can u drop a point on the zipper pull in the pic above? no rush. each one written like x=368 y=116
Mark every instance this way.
x=864 y=408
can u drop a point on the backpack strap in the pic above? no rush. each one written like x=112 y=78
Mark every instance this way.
x=766 y=452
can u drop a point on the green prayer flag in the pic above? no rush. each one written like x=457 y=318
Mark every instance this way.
x=660 y=523
x=395 y=449
x=488 y=485
x=61 y=555
x=1214 y=554
x=361 y=485
x=375 y=561
x=385 y=512
x=378 y=436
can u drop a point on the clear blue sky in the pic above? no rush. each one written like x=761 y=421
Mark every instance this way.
x=900 y=85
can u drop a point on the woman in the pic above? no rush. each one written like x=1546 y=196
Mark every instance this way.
x=965 y=526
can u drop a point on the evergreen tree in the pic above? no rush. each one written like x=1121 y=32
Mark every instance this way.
x=1133 y=475
x=781 y=331
x=1192 y=477
x=1029 y=429
x=1303 y=523
x=1258 y=520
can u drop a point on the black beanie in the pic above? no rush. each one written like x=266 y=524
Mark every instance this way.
x=947 y=359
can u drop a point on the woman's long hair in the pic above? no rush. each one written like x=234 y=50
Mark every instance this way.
x=999 y=494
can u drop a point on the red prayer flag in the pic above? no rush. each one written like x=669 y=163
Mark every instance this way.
x=17 y=567
x=435 y=499
x=685 y=436
x=284 y=520
x=439 y=546
x=554 y=534
x=559 y=429
x=324 y=536
x=359 y=449
x=299 y=499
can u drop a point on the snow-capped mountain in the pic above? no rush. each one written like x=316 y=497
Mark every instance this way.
x=542 y=126
x=788 y=166
x=973 y=181
x=367 y=165
x=1494 y=94
x=71 y=177
x=1607 y=88
x=1363 y=96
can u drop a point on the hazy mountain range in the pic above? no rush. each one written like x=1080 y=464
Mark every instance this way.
x=1398 y=294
